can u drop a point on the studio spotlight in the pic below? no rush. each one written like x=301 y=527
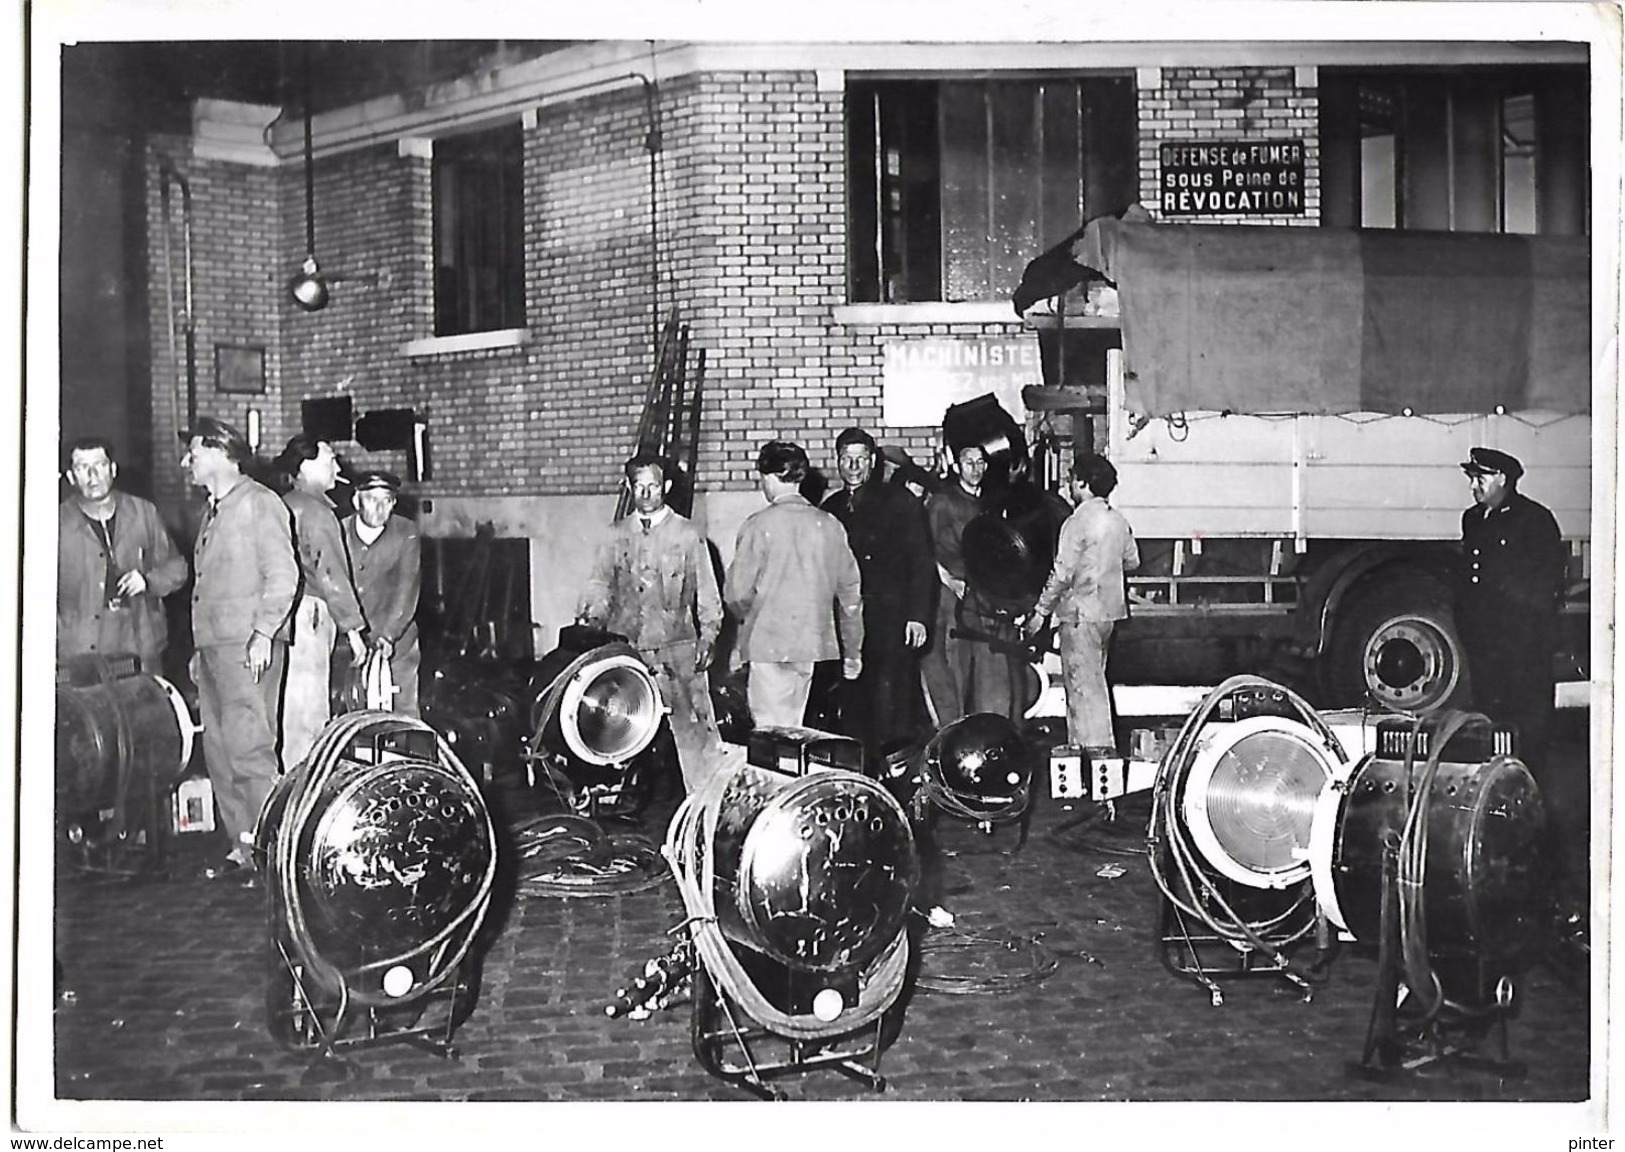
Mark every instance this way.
x=477 y=705
x=123 y=741
x=597 y=709
x=978 y=769
x=796 y=887
x=380 y=855
x=1432 y=850
x=1231 y=822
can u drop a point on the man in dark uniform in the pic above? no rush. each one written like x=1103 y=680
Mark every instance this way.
x=885 y=526
x=1507 y=602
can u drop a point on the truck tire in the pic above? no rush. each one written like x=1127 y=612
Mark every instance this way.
x=1395 y=645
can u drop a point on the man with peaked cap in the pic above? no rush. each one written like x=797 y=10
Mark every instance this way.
x=386 y=559
x=1508 y=596
x=247 y=577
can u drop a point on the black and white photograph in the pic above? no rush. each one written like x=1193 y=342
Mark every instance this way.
x=909 y=554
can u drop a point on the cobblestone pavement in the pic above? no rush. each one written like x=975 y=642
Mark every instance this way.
x=164 y=1000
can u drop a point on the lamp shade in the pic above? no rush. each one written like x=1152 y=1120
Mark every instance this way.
x=308 y=287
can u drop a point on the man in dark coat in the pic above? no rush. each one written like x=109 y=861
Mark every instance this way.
x=1508 y=597
x=886 y=528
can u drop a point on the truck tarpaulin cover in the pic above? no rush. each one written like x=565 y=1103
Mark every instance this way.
x=1313 y=320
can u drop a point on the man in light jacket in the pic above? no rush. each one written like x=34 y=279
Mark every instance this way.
x=242 y=604
x=653 y=583
x=1087 y=593
x=795 y=587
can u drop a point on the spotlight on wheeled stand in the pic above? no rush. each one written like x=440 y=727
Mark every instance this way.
x=977 y=769
x=597 y=710
x=379 y=856
x=1431 y=850
x=123 y=741
x=1232 y=809
x=797 y=875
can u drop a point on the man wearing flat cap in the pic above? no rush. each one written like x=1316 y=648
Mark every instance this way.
x=386 y=559
x=1508 y=596
x=242 y=605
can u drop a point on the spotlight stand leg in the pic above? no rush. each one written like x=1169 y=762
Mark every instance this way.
x=1386 y=1053
x=715 y=1023
x=1382 y=1047
x=1173 y=917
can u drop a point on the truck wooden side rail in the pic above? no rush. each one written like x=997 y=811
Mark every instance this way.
x=1318 y=540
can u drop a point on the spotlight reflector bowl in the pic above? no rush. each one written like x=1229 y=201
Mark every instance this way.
x=1249 y=796
x=379 y=853
x=982 y=760
x=816 y=872
x=395 y=860
x=610 y=710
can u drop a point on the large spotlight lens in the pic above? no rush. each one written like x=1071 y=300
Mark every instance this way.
x=1249 y=798
x=610 y=710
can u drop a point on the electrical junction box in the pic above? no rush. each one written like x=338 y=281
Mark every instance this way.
x=1066 y=763
x=192 y=806
x=1112 y=776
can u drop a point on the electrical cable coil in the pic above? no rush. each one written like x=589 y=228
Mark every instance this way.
x=570 y=856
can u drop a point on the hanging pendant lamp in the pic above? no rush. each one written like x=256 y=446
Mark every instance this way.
x=308 y=287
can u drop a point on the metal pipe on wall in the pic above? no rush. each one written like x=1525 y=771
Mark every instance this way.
x=167 y=174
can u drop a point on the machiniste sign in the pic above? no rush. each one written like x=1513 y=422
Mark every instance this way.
x=922 y=375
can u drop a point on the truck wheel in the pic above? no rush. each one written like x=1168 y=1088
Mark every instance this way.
x=1397 y=646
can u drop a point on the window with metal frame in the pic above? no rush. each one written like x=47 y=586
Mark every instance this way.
x=479 y=231
x=1460 y=150
x=953 y=184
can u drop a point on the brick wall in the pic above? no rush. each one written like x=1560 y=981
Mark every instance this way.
x=758 y=168
x=379 y=273
x=1244 y=104
x=235 y=236
x=751 y=247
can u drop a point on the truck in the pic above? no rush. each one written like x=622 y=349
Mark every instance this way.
x=1287 y=409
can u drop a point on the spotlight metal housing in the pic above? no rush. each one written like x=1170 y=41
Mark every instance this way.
x=380 y=856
